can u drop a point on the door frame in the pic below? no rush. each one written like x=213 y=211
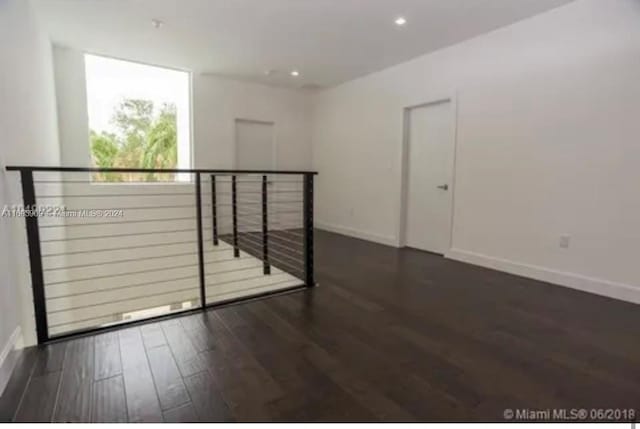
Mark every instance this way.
x=404 y=166
x=274 y=148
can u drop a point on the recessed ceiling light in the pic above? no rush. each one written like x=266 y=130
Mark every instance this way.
x=400 y=21
x=295 y=73
x=157 y=23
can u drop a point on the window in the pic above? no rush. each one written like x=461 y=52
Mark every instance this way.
x=139 y=117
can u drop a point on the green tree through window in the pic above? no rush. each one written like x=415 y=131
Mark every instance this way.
x=144 y=136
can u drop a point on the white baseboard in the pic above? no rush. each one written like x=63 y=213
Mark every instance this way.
x=7 y=358
x=597 y=286
x=343 y=230
x=621 y=291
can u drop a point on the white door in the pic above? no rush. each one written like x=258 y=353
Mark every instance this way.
x=254 y=151
x=429 y=178
x=254 y=145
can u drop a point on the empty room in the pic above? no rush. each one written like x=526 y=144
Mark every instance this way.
x=305 y=211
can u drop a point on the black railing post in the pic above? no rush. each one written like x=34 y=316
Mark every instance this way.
x=307 y=216
x=265 y=229
x=203 y=291
x=35 y=256
x=234 y=206
x=214 y=210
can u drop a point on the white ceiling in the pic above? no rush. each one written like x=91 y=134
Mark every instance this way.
x=329 y=41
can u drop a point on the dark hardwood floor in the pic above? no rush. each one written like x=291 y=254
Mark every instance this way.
x=389 y=335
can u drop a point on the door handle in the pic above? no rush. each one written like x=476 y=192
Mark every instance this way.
x=444 y=187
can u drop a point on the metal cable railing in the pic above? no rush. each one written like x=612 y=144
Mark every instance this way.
x=212 y=237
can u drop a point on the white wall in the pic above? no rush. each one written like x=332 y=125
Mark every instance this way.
x=71 y=101
x=218 y=102
x=29 y=136
x=547 y=143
